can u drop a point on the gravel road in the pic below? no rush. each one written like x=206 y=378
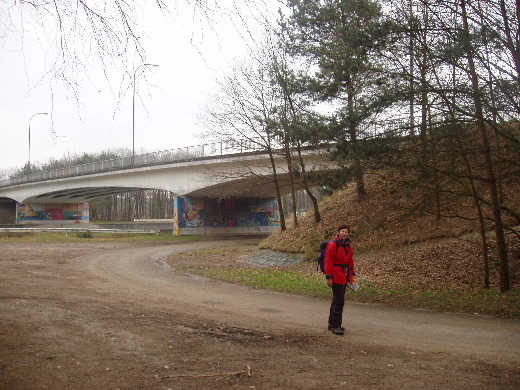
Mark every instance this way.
x=117 y=316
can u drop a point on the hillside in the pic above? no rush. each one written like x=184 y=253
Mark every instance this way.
x=395 y=243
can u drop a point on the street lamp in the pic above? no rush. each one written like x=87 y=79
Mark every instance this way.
x=38 y=113
x=133 y=113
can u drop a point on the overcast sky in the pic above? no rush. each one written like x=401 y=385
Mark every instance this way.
x=190 y=53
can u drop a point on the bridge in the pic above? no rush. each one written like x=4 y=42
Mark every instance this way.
x=216 y=187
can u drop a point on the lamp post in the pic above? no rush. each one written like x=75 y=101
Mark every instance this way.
x=133 y=113
x=38 y=113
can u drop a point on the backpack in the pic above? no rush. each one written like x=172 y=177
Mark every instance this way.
x=321 y=257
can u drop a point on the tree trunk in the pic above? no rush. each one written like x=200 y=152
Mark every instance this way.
x=317 y=215
x=277 y=187
x=482 y=228
x=358 y=169
x=411 y=71
x=505 y=284
x=290 y=169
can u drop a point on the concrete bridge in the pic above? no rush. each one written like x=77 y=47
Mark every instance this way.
x=232 y=192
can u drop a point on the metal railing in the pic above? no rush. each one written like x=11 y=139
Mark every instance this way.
x=218 y=149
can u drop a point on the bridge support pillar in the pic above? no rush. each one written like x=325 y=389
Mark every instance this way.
x=208 y=216
x=52 y=213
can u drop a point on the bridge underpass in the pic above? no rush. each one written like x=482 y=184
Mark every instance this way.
x=222 y=194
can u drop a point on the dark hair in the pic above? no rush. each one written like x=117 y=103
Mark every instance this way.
x=341 y=227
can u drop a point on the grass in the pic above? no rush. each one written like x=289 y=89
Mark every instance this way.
x=223 y=263
x=304 y=280
x=482 y=301
x=97 y=237
x=267 y=278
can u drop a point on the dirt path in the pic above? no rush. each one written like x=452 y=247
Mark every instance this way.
x=105 y=316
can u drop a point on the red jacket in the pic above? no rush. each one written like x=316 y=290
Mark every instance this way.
x=339 y=262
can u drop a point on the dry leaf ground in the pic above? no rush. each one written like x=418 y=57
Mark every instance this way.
x=396 y=243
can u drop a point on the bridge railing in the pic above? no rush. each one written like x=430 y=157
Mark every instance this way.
x=369 y=130
x=153 y=158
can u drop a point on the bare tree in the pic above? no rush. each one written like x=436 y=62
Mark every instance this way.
x=467 y=71
x=244 y=109
x=293 y=117
x=83 y=37
x=486 y=152
x=79 y=34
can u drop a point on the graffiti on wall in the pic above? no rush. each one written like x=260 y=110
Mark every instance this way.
x=53 y=212
x=213 y=212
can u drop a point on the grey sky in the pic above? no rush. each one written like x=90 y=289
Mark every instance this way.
x=190 y=52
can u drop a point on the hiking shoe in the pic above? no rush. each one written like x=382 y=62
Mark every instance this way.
x=338 y=331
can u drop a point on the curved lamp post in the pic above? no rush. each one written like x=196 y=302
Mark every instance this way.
x=133 y=113
x=38 y=113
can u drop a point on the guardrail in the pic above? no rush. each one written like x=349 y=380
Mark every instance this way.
x=369 y=130
x=155 y=158
x=75 y=230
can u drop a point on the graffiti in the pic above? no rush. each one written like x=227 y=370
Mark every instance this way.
x=192 y=219
x=225 y=212
x=53 y=212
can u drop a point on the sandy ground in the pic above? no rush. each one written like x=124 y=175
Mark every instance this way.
x=117 y=316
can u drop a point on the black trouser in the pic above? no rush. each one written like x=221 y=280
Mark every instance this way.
x=336 y=307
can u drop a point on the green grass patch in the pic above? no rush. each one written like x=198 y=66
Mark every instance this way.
x=267 y=278
x=483 y=301
x=85 y=234
x=298 y=280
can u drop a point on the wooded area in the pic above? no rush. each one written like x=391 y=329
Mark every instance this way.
x=448 y=71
